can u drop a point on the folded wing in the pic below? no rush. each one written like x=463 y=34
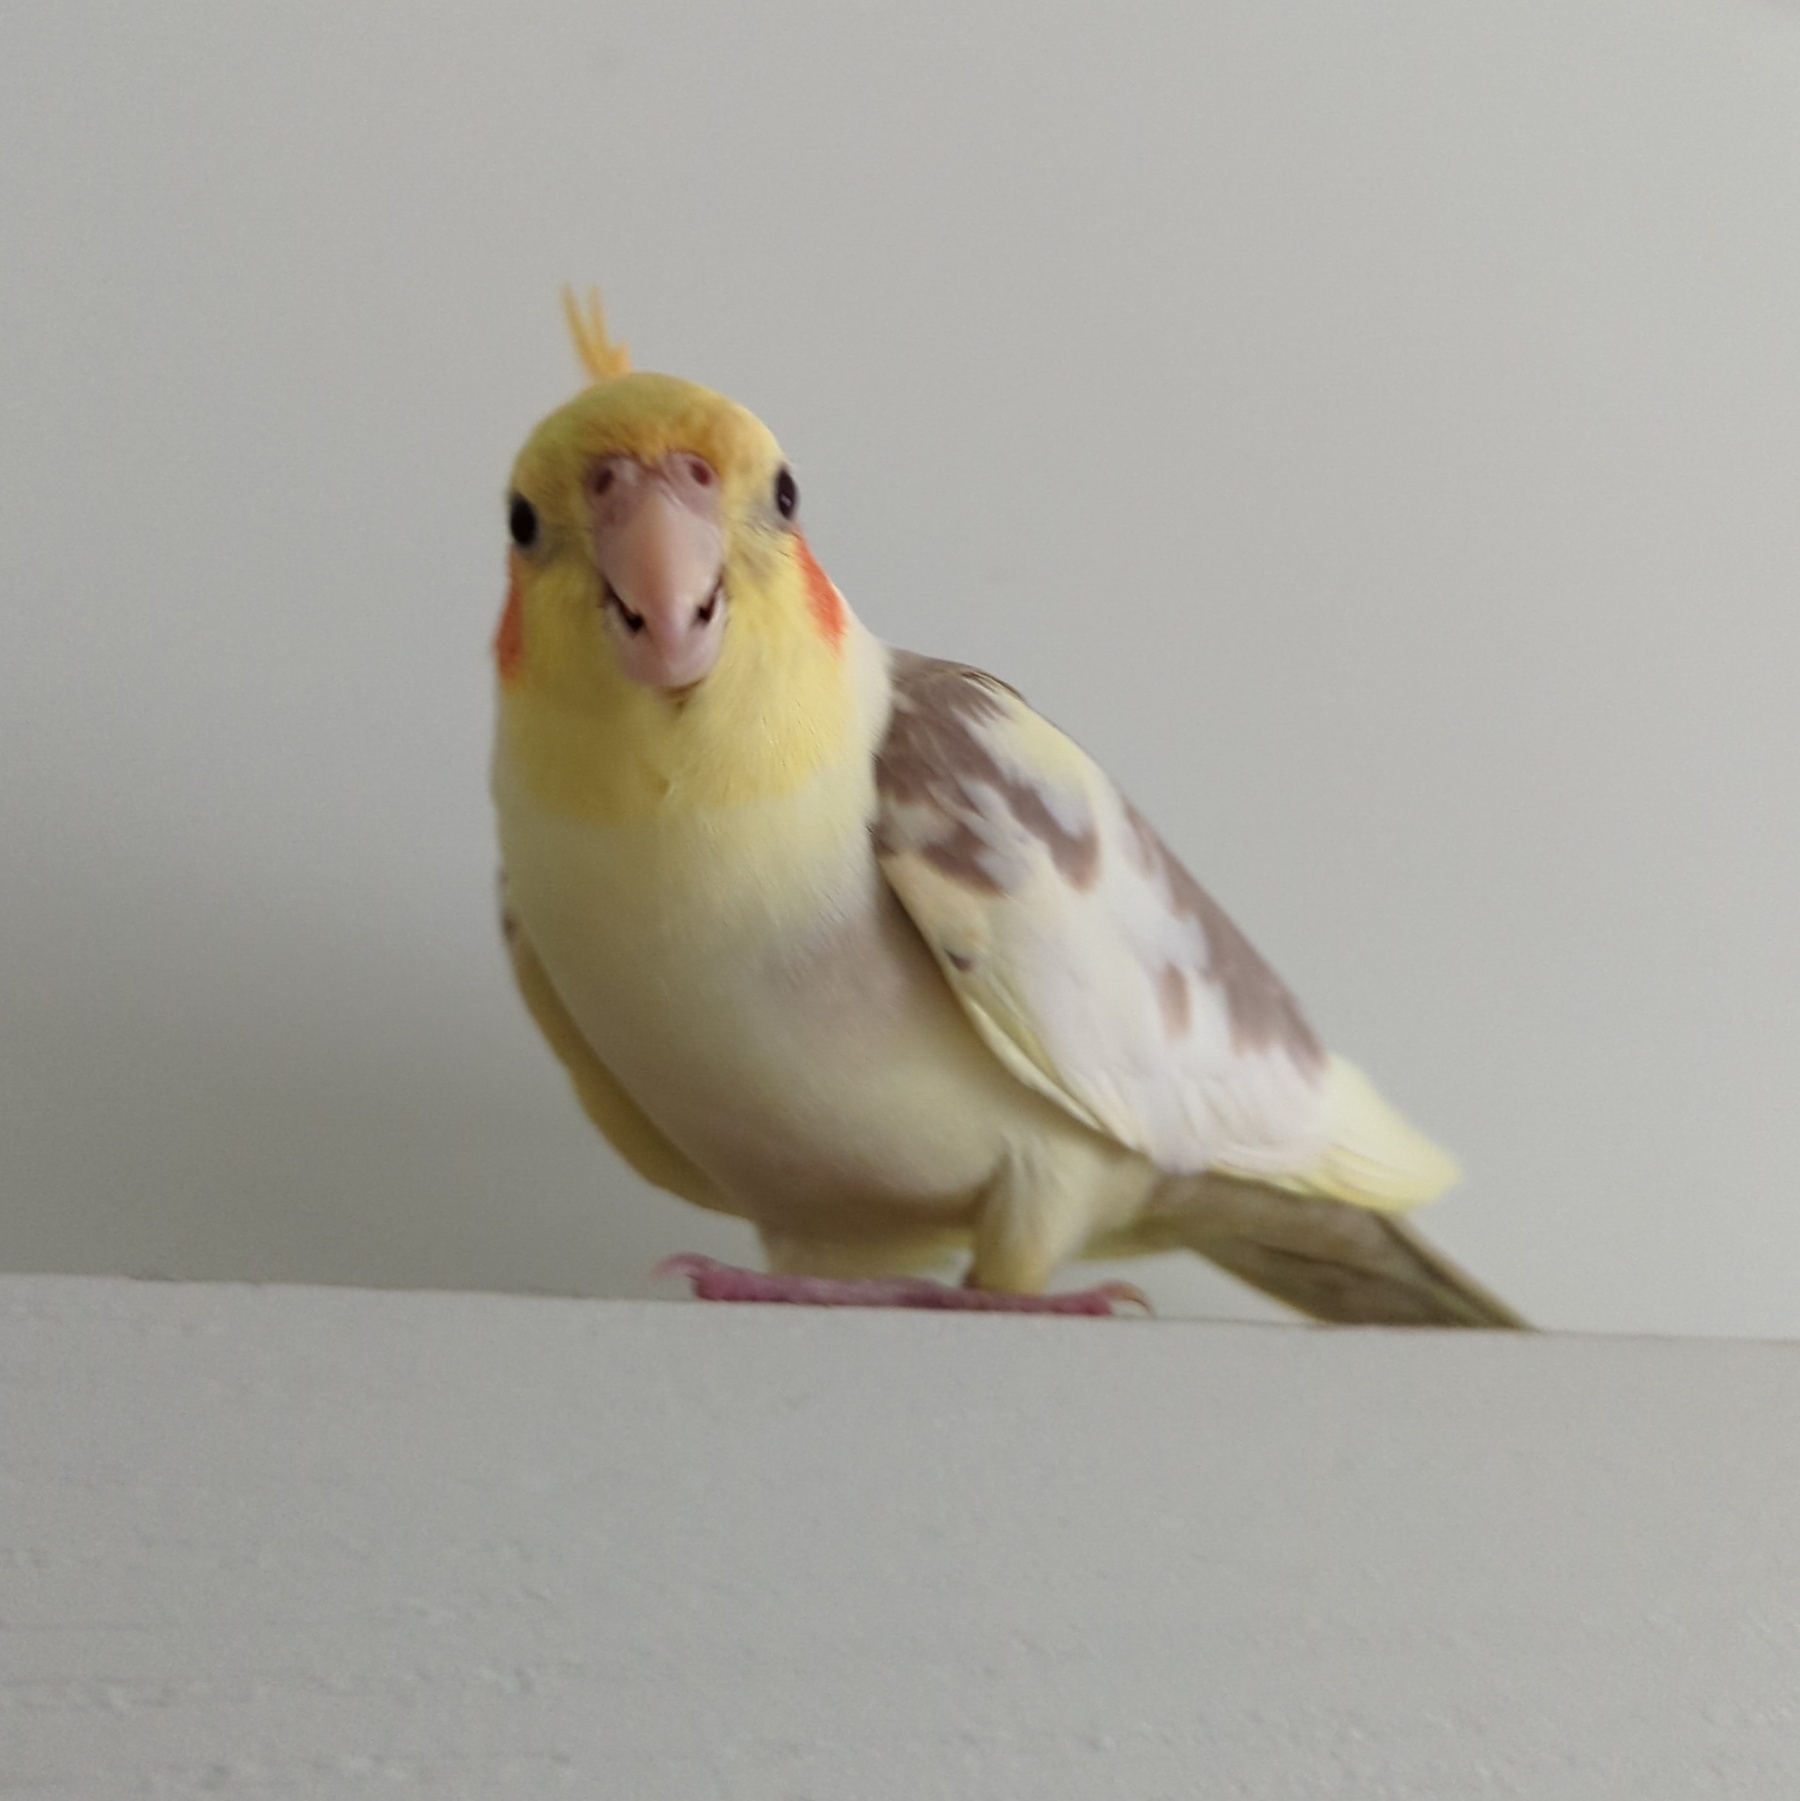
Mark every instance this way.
x=1099 y=971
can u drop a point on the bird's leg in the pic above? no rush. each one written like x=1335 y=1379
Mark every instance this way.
x=721 y=1282
x=1030 y=1219
x=1039 y=1211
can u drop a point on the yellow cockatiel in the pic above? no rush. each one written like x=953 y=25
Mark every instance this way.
x=854 y=945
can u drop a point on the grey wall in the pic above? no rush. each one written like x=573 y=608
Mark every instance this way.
x=1370 y=428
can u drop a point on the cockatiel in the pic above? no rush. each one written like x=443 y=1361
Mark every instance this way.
x=854 y=945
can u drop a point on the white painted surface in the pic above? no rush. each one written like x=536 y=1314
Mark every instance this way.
x=1367 y=425
x=261 y=1542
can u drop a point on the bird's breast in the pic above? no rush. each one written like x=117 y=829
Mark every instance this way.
x=751 y=980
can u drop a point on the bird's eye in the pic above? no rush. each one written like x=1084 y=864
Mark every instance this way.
x=522 y=521
x=787 y=492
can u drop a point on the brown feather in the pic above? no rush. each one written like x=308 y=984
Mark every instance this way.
x=1331 y=1260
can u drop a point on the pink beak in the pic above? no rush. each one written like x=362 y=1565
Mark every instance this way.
x=661 y=558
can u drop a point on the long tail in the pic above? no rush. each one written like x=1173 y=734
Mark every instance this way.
x=1328 y=1258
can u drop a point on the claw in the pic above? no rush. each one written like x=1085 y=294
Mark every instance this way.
x=721 y=1282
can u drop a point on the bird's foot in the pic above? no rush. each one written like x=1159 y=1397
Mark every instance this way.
x=720 y=1282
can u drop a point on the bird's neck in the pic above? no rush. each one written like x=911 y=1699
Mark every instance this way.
x=671 y=836
x=761 y=726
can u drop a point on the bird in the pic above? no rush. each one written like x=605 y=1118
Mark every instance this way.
x=852 y=944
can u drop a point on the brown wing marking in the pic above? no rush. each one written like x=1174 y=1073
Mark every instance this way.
x=1262 y=1010
x=934 y=754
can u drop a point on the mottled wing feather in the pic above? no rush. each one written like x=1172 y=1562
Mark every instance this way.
x=1090 y=961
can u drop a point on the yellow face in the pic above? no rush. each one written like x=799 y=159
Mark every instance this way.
x=668 y=638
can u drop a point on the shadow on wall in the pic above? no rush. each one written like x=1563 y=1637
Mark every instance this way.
x=259 y=1101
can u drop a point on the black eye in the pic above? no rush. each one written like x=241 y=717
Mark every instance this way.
x=521 y=520
x=787 y=493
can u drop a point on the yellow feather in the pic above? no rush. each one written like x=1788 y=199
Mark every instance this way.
x=584 y=738
x=620 y=1119
x=600 y=356
x=1375 y=1158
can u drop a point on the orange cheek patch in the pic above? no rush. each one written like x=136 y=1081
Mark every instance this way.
x=826 y=603
x=509 y=640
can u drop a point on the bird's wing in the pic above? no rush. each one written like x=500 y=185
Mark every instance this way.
x=1098 y=970
x=620 y=1119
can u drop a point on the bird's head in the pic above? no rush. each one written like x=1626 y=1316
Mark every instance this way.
x=659 y=581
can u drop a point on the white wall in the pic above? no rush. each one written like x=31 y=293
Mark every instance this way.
x=285 y=1543
x=1370 y=428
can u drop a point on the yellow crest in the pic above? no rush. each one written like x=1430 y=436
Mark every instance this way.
x=600 y=356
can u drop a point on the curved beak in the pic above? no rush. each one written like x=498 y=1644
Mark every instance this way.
x=661 y=559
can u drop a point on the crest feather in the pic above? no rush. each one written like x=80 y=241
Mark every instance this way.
x=600 y=356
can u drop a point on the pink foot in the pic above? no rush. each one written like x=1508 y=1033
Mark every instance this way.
x=720 y=1282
